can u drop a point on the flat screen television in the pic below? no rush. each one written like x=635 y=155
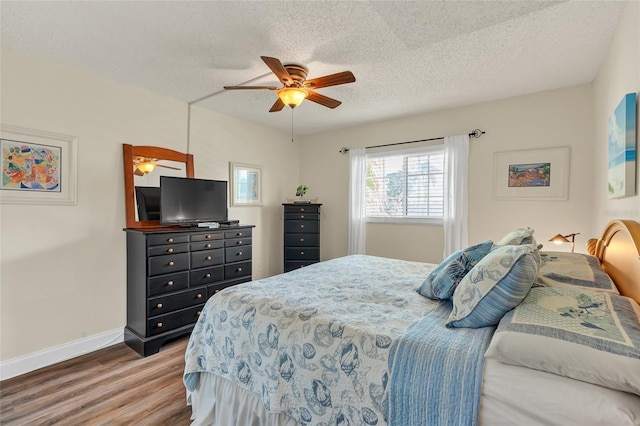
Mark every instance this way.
x=187 y=202
x=148 y=200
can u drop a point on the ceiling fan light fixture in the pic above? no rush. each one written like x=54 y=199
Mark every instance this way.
x=146 y=166
x=292 y=96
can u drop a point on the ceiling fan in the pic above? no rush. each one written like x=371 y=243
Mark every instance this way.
x=296 y=88
x=143 y=165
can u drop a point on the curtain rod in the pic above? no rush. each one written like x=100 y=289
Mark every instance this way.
x=473 y=134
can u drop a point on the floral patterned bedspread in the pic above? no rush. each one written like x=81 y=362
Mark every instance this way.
x=314 y=343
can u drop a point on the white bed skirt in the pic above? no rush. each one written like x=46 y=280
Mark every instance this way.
x=217 y=401
x=511 y=396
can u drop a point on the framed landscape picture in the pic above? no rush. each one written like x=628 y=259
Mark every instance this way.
x=535 y=174
x=622 y=148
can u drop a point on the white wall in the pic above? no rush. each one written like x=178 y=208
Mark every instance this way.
x=63 y=268
x=619 y=75
x=549 y=119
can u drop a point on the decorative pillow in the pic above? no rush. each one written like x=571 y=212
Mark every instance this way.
x=581 y=334
x=560 y=269
x=494 y=286
x=443 y=280
x=518 y=237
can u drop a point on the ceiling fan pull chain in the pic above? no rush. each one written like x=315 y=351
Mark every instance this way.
x=291 y=125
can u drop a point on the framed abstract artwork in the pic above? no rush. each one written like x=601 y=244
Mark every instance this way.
x=37 y=167
x=534 y=174
x=622 y=148
x=246 y=184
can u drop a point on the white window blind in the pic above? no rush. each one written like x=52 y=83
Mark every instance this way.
x=406 y=186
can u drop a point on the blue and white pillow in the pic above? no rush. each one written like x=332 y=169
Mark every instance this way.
x=497 y=284
x=518 y=237
x=573 y=332
x=560 y=269
x=442 y=281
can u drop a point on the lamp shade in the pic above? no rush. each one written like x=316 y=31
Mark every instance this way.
x=292 y=96
x=146 y=166
x=559 y=239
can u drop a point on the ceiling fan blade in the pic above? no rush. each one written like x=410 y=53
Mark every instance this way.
x=138 y=172
x=277 y=106
x=278 y=69
x=323 y=100
x=330 y=80
x=251 y=88
x=168 y=167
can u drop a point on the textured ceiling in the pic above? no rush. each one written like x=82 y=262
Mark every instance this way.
x=408 y=57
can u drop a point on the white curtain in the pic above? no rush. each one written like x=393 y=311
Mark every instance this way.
x=357 y=208
x=456 y=159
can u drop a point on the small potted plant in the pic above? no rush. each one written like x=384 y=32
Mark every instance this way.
x=300 y=191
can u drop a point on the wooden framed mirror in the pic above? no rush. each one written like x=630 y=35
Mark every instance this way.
x=132 y=157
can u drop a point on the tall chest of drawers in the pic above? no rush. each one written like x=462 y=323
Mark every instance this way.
x=301 y=235
x=170 y=275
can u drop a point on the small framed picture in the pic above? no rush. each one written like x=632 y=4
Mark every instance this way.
x=246 y=184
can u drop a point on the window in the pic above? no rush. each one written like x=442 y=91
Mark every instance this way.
x=406 y=186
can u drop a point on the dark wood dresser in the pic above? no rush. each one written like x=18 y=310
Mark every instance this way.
x=301 y=235
x=171 y=273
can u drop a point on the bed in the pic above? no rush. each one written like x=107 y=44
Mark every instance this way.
x=498 y=333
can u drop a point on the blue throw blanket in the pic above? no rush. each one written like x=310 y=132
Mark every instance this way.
x=342 y=342
x=436 y=372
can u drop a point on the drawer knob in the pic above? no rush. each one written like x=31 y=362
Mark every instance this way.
x=170 y=283
x=198 y=313
x=207 y=275
x=159 y=306
x=239 y=234
x=208 y=257
x=239 y=242
x=216 y=291
x=301 y=226
x=301 y=216
x=159 y=325
x=239 y=253
x=302 y=209
x=199 y=296
x=170 y=240
x=239 y=270
x=302 y=253
x=208 y=236
x=302 y=240
x=208 y=246
x=170 y=250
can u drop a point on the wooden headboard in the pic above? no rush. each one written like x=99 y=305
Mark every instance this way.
x=619 y=251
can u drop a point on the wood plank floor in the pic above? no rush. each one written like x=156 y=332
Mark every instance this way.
x=112 y=386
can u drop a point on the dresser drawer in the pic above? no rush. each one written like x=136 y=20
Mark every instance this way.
x=206 y=245
x=237 y=242
x=292 y=265
x=301 y=216
x=168 y=249
x=167 y=283
x=206 y=275
x=206 y=236
x=200 y=259
x=237 y=270
x=236 y=254
x=168 y=322
x=238 y=233
x=175 y=301
x=302 y=208
x=300 y=226
x=302 y=253
x=301 y=240
x=159 y=265
x=161 y=239
x=215 y=288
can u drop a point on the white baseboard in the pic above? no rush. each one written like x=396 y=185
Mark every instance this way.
x=17 y=366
